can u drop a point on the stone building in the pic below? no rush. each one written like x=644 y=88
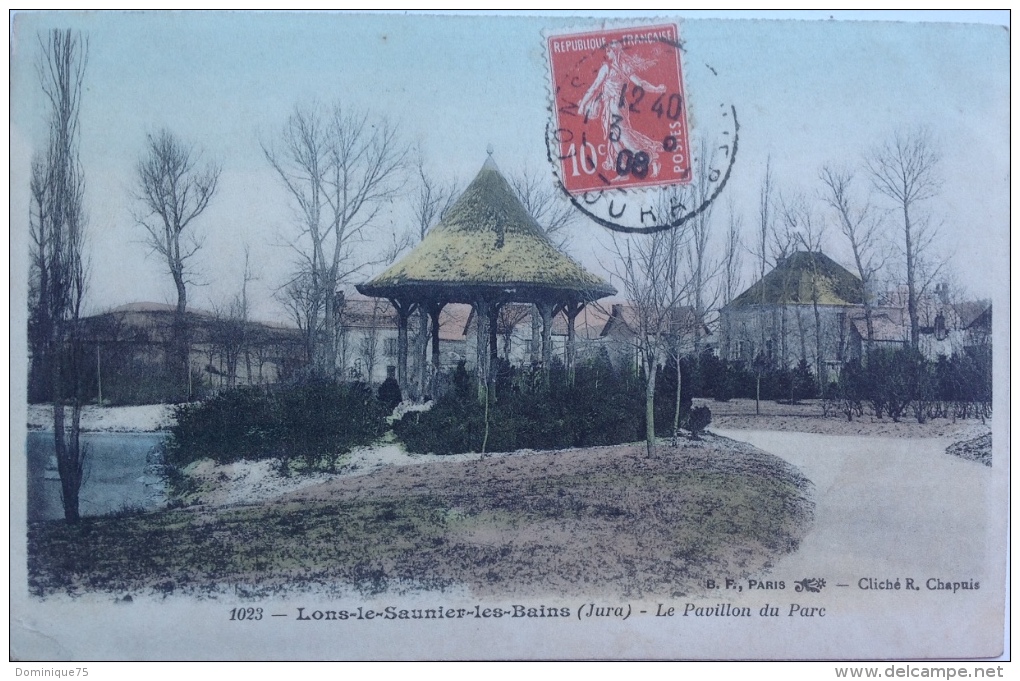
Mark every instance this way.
x=799 y=310
x=812 y=308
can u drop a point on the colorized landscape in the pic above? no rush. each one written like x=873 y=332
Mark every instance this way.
x=365 y=308
x=601 y=521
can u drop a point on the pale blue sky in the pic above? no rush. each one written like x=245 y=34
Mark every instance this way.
x=807 y=92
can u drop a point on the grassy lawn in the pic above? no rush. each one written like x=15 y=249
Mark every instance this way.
x=604 y=520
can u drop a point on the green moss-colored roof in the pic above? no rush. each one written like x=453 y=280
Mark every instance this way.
x=793 y=281
x=487 y=244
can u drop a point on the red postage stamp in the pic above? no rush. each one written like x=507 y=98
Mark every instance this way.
x=620 y=109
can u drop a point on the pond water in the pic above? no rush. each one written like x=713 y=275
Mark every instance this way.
x=119 y=474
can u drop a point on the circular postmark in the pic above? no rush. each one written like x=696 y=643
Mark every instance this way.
x=619 y=140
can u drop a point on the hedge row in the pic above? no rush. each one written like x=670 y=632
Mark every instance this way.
x=527 y=410
x=313 y=423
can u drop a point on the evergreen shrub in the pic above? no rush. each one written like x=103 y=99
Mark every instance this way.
x=314 y=422
x=389 y=393
x=527 y=410
x=699 y=420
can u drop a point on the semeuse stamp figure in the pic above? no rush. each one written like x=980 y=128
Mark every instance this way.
x=620 y=109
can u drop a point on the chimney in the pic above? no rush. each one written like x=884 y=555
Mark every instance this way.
x=942 y=291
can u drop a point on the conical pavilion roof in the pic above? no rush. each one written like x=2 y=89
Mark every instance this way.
x=801 y=276
x=487 y=246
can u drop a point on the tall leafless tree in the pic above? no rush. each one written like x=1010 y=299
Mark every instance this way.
x=701 y=265
x=341 y=169
x=689 y=271
x=58 y=276
x=731 y=272
x=732 y=258
x=863 y=229
x=763 y=229
x=684 y=279
x=646 y=265
x=905 y=169
x=175 y=188
x=545 y=205
x=808 y=231
x=760 y=250
x=231 y=329
x=775 y=240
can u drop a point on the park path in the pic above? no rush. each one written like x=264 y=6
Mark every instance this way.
x=886 y=507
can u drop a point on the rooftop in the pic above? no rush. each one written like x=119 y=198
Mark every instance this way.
x=487 y=246
x=797 y=279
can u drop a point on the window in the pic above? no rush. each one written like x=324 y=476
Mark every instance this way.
x=391 y=347
x=391 y=371
x=940 y=327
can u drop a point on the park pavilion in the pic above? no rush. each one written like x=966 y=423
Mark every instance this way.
x=488 y=252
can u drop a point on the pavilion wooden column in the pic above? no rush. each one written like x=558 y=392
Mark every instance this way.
x=572 y=310
x=404 y=310
x=546 y=312
x=482 y=347
x=493 y=331
x=421 y=352
x=434 y=310
x=536 y=335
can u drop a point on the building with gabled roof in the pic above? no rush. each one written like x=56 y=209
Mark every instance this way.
x=809 y=307
x=799 y=310
x=800 y=279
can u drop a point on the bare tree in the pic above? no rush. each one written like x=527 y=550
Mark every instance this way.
x=340 y=170
x=731 y=271
x=174 y=190
x=231 y=329
x=510 y=315
x=905 y=170
x=761 y=253
x=863 y=229
x=545 y=205
x=808 y=232
x=647 y=266
x=765 y=220
x=301 y=299
x=702 y=267
x=58 y=275
x=685 y=277
x=760 y=250
x=732 y=260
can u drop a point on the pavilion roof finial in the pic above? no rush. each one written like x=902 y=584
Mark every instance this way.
x=490 y=163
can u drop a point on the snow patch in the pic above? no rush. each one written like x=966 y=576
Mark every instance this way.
x=137 y=419
x=247 y=482
x=252 y=482
x=407 y=407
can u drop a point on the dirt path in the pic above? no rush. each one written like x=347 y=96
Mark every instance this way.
x=886 y=507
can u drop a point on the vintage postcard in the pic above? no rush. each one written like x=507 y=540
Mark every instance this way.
x=386 y=337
